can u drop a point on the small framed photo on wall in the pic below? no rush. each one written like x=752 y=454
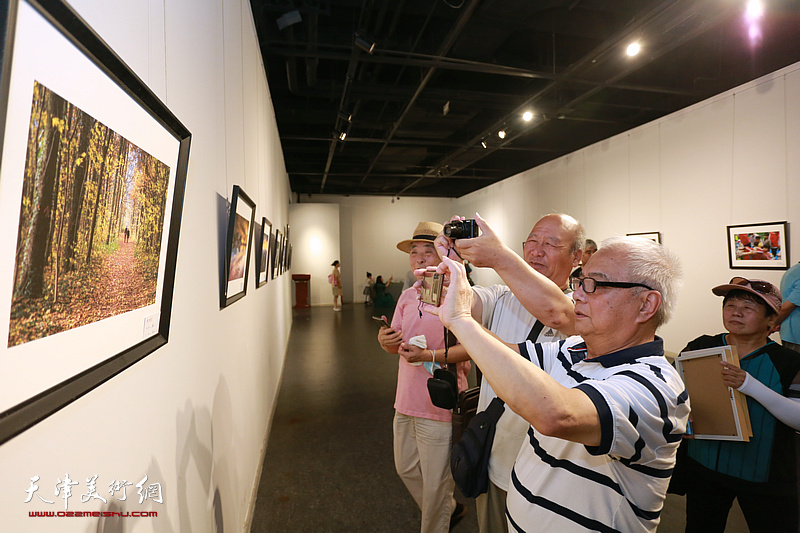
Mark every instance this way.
x=654 y=236
x=759 y=246
x=240 y=231
x=262 y=253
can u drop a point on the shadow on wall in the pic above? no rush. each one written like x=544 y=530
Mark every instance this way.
x=117 y=524
x=205 y=442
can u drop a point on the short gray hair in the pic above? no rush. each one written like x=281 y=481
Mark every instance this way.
x=653 y=265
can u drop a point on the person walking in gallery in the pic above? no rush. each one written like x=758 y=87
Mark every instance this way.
x=422 y=431
x=551 y=251
x=589 y=248
x=369 y=286
x=789 y=316
x=336 y=286
x=760 y=473
x=607 y=410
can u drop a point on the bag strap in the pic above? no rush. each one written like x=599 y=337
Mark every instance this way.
x=537 y=328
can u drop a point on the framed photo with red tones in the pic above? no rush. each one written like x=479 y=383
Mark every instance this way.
x=92 y=180
x=237 y=249
x=759 y=246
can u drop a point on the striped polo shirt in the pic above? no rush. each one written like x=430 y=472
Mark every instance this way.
x=620 y=485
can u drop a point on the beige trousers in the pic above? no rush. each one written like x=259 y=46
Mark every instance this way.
x=491 y=508
x=422 y=460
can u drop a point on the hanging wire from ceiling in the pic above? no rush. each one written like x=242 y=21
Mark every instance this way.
x=448 y=4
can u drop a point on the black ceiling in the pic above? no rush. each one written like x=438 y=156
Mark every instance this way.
x=445 y=75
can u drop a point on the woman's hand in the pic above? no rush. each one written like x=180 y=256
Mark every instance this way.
x=732 y=375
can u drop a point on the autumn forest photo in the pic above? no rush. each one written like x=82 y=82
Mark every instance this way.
x=90 y=225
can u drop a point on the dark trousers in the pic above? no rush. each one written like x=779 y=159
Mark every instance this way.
x=767 y=507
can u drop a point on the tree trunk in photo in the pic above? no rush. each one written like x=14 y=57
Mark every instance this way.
x=31 y=283
x=76 y=205
x=100 y=179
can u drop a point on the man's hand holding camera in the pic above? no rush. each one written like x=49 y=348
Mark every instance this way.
x=456 y=303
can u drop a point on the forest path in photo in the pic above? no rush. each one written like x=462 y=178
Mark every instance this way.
x=120 y=288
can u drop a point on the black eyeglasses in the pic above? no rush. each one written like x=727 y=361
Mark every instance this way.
x=590 y=284
x=763 y=287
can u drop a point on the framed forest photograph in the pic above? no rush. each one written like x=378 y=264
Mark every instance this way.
x=262 y=253
x=240 y=231
x=92 y=178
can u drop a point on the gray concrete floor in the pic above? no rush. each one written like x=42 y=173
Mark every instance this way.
x=329 y=464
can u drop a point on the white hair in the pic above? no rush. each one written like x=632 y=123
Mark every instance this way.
x=653 y=265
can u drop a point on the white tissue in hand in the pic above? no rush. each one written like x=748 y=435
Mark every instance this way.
x=420 y=342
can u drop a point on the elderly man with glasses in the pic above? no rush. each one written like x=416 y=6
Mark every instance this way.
x=606 y=409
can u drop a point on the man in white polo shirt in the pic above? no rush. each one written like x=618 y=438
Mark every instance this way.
x=552 y=249
x=607 y=411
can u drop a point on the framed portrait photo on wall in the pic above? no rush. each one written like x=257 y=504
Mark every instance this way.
x=759 y=246
x=92 y=179
x=237 y=248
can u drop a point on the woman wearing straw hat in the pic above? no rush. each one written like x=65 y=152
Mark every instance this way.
x=422 y=431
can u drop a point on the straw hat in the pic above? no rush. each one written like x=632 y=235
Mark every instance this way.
x=424 y=232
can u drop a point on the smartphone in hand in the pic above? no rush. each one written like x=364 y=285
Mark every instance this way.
x=381 y=321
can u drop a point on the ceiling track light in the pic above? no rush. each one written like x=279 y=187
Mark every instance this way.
x=501 y=134
x=365 y=44
x=342 y=136
x=527 y=116
x=345 y=116
x=483 y=143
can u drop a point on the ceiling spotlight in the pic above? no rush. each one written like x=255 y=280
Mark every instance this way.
x=483 y=143
x=633 y=49
x=754 y=10
x=527 y=116
x=342 y=136
x=501 y=134
x=365 y=44
x=345 y=116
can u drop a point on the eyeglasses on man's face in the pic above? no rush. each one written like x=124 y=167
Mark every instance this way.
x=590 y=285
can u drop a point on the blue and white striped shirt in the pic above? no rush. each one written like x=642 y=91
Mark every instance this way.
x=620 y=485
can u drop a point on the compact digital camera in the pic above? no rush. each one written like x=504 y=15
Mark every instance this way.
x=431 y=289
x=461 y=229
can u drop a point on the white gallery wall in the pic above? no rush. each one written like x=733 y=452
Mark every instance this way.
x=369 y=229
x=732 y=159
x=316 y=238
x=193 y=415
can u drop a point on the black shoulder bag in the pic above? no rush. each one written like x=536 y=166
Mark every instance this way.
x=469 y=458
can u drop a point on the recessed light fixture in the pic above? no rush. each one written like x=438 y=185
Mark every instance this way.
x=527 y=116
x=633 y=48
x=754 y=10
x=501 y=134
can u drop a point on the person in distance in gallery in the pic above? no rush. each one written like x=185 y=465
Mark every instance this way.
x=760 y=473
x=607 y=410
